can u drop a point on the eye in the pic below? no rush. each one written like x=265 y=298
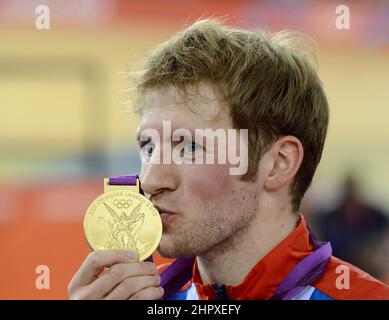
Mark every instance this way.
x=192 y=147
x=147 y=148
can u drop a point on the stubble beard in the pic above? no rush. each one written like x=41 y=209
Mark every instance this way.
x=210 y=234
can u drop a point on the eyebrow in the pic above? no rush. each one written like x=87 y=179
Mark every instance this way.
x=138 y=141
x=137 y=136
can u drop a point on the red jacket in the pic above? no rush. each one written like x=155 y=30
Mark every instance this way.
x=263 y=279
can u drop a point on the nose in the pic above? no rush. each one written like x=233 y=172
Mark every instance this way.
x=158 y=178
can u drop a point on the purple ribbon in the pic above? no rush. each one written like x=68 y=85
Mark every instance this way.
x=306 y=272
x=129 y=180
x=176 y=276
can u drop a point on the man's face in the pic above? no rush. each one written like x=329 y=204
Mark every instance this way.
x=208 y=205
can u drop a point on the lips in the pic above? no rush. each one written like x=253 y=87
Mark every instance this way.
x=163 y=210
x=167 y=216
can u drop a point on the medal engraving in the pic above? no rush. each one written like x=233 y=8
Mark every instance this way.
x=123 y=219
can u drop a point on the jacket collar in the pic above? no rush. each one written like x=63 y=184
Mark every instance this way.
x=263 y=279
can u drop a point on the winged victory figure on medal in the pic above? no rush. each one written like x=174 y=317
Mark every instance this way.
x=124 y=229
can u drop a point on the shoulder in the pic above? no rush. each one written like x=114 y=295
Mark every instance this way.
x=342 y=281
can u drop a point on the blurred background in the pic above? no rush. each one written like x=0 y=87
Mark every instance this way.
x=64 y=123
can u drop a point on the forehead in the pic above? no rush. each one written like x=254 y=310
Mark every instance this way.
x=193 y=108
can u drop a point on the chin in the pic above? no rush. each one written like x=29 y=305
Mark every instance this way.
x=166 y=249
x=171 y=250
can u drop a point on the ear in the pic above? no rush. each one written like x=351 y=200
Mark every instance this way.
x=286 y=154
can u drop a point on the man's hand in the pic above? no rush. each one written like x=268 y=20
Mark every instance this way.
x=115 y=274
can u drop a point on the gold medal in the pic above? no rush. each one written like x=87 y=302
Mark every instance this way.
x=122 y=218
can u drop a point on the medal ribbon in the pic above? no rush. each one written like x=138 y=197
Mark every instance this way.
x=306 y=272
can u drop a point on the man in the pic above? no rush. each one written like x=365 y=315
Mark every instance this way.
x=247 y=235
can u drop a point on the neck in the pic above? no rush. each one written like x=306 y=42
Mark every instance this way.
x=231 y=260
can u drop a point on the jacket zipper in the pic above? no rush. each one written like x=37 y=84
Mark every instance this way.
x=220 y=292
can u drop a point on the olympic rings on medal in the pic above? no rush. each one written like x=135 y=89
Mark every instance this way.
x=122 y=204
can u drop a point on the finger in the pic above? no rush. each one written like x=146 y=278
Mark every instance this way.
x=132 y=285
x=117 y=274
x=150 y=293
x=96 y=261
